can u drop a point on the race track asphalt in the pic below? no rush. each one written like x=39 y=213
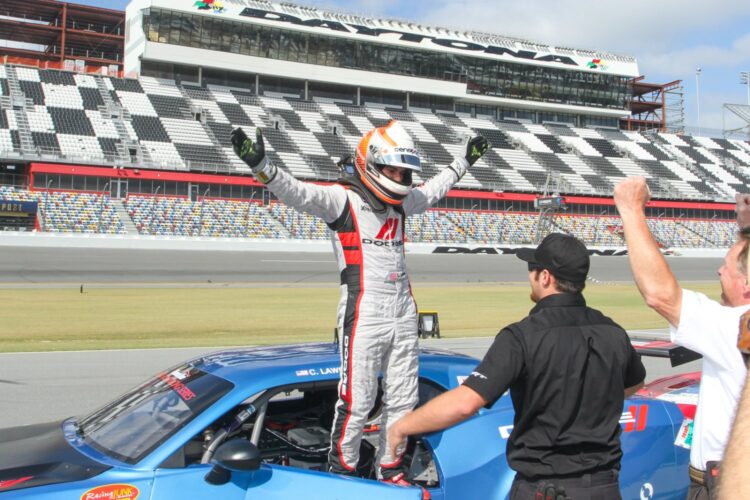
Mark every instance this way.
x=33 y=266
x=39 y=387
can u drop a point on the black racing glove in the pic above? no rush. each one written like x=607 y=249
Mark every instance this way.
x=253 y=154
x=475 y=148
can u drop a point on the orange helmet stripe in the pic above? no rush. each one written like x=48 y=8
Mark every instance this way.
x=384 y=132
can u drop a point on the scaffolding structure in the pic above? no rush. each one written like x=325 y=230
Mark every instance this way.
x=51 y=34
x=657 y=107
x=743 y=112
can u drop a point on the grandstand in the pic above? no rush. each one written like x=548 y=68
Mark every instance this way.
x=150 y=153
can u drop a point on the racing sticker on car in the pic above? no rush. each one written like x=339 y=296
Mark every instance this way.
x=647 y=491
x=684 y=437
x=12 y=482
x=181 y=389
x=112 y=492
x=505 y=431
x=312 y=372
x=635 y=418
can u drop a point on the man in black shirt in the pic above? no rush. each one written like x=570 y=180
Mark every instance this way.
x=568 y=368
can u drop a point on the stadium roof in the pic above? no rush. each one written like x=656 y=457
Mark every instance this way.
x=402 y=33
x=411 y=25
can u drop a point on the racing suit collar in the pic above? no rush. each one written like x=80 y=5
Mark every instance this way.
x=356 y=184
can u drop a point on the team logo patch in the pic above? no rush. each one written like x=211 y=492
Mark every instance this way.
x=112 y=492
x=389 y=229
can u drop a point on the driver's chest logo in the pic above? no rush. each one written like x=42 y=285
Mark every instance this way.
x=388 y=230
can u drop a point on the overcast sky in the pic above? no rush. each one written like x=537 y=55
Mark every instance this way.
x=669 y=38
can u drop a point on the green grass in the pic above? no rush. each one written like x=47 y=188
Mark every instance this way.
x=124 y=318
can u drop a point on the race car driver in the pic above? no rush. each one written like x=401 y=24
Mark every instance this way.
x=376 y=314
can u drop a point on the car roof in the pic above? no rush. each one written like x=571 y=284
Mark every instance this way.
x=241 y=364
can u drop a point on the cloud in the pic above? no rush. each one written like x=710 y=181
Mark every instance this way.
x=682 y=62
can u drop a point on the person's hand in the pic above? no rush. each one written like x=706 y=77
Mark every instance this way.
x=743 y=209
x=631 y=195
x=396 y=439
x=475 y=148
x=252 y=153
x=548 y=491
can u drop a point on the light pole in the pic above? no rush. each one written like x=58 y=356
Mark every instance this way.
x=101 y=207
x=698 y=96
x=153 y=207
x=745 y=80
x=46 y=204
x=203 y=202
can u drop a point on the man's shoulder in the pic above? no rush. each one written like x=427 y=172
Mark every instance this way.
x=558 y=317
x=599 y=318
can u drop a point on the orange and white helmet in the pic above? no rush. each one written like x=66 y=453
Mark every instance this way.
x=389 y=146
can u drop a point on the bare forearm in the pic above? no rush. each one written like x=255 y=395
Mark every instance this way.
x=652 y=274
x=736 y=464
x=436 y=415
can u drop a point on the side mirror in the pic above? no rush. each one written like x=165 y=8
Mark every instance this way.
x=238 y=455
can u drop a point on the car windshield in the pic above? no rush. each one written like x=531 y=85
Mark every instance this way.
x=140 y=420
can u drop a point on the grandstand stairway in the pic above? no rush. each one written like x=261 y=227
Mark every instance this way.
x=122 y=212
x=19 y=104
x=114 y=112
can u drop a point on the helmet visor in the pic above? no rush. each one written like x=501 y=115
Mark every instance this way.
x=403 y=160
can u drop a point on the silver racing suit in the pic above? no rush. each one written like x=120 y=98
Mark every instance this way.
x=376 y=314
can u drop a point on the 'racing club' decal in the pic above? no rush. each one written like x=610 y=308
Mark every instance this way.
x=112 y=492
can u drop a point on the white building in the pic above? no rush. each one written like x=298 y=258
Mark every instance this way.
x=313 y=54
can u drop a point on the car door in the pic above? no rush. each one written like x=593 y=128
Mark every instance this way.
x=275 y=482
x=471 y=456
x=189 y=483
x=272 y=482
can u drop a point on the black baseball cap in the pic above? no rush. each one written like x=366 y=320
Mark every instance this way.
x=564 y=256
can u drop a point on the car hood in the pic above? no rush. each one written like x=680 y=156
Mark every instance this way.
x=36 y=455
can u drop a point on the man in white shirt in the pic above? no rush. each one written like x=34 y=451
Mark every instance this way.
x=696 y=322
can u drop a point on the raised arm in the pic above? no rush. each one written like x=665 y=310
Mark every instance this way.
x=326 y=202
x=652 y=274
x=430 y=192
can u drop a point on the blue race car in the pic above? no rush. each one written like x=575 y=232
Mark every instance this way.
x=254 y=423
